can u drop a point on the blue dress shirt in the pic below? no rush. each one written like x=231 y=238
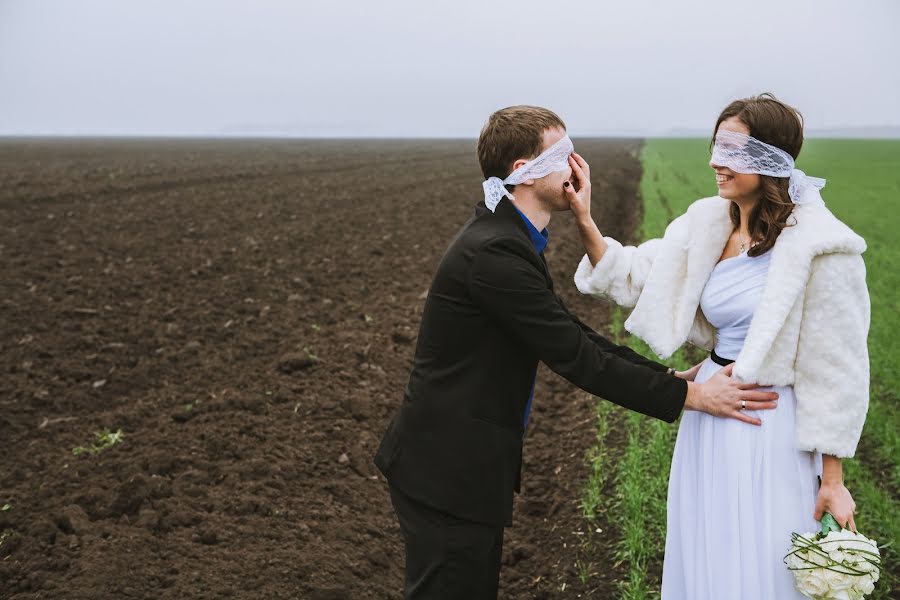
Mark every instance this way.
x=539 y=239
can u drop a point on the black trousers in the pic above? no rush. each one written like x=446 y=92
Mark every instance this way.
x=447 y=557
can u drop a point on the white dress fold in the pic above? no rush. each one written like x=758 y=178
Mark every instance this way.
x=736 y=491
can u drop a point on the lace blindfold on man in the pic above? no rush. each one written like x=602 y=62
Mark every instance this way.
x=745 y=154
x=553 y=159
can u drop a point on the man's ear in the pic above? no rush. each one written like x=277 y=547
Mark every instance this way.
x=518 y=164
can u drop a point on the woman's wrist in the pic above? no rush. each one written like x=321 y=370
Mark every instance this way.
x=832 y=470
x=591 y=238
x=585 y=223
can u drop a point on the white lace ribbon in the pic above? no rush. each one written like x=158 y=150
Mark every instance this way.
x=553 y=159
x=804 y=189
x=745 y=154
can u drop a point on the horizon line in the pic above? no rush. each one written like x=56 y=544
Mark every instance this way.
x=820 y=134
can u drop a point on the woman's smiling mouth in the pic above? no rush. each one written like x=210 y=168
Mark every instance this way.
x=722 y=179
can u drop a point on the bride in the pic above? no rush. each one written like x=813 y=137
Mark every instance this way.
x=767 y=278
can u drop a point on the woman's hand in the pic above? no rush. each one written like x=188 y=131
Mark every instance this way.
x=578 y=191
x=836 y=499
x=690 y=374
x=833 y=497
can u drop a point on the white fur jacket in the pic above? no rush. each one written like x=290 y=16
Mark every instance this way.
x=810 y=326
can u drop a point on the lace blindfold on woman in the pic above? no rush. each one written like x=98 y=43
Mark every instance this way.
x=553 y=159
x=745 y=154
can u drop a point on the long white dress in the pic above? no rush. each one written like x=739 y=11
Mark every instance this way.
x=736 y=491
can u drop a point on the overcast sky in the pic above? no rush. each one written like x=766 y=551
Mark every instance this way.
x=419 y=68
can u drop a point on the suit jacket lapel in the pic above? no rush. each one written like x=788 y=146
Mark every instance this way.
x=546 y=270
x=508 y=213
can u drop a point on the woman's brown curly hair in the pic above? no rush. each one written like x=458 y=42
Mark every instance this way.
x=773 y=122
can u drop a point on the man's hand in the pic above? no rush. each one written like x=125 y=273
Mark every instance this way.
x=722 y=396
x=578 y=192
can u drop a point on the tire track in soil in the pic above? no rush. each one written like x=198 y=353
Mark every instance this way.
x=181 y=315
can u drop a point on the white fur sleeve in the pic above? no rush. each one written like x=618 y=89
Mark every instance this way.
x=620 y=274
x=832 y=367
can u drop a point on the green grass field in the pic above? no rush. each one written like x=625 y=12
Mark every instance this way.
x=863 y=189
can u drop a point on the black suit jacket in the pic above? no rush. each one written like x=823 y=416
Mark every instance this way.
x=490 y=315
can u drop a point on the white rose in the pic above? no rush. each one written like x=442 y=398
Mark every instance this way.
x=800 y=584
x=834 y=540
x=796 y=560
x=866 y=585
x=863 y=563
x=847 y=540
x=813 y=584
x=817 y=559
x=853 y=593
x=839 y=581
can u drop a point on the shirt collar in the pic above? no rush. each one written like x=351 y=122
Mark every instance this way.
x=538 y=238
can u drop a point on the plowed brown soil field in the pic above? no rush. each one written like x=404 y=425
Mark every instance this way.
x=245 y=312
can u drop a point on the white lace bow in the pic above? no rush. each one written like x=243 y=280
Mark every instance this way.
x=553 y=159
x=745 y=154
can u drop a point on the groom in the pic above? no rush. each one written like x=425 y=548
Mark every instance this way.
x=453 y=453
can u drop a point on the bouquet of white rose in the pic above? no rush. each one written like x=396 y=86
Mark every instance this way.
x=835 y=563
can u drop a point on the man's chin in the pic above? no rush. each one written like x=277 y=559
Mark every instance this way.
x=560 y=204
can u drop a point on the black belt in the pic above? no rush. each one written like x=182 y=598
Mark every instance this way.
x=719 y=360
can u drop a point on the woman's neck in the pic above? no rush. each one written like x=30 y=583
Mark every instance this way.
x=746 y=209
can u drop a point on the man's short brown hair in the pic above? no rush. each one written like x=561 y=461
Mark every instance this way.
x=512 y=133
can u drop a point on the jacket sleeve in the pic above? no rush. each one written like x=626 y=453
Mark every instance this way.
x=609 y=346
x=832 y=366
x=622 y=272
x=512 y=291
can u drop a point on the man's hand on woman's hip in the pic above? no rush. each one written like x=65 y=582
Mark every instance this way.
x=723 y=396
